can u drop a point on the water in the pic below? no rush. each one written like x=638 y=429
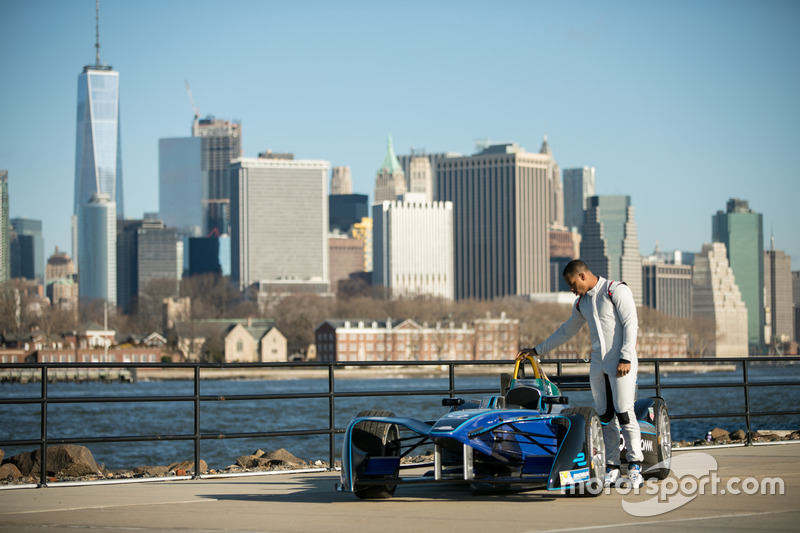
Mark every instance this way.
x=81 y=420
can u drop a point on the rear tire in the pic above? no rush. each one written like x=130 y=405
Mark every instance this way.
x=379 y=439
x=594 y=450
x=663 y=441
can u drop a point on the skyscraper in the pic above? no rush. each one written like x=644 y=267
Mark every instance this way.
x=279 y=223
x=341 y=181
x=146 y=251
x=778 y=298
x=390 y=181
x=796 y=303
x=28 y=250
x=716 y=296
x=415 y=176
x=501 y=210
x=98 y=149
x=610 y=246
x=221 y=144
x=556 y=191
x=667 y=287
x=160 y=253
x=204 y=256
x=346 y=256
x=740 y=229
x=413 y=247
x=578 y=187
x=5 y=233
x=98 y=146
x=97 y=241
x=127 y=262
x=346 y=210
x=420 y=177
x=182 y=191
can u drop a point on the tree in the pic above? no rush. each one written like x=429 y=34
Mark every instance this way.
x=212 y=296
x=297 y=315
x=150 y=313
x=213 y=350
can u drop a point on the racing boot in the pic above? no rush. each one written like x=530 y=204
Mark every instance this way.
x=635 y=477
x=612 y=476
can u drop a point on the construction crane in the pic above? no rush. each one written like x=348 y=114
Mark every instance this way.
x=195 y=109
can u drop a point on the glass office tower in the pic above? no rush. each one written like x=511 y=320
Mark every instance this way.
x=182 y=189
x=741 y=229
x=610 y=245
x=98 y=150
x=97 y=238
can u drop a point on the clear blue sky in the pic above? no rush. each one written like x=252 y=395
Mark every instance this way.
x=681 y=105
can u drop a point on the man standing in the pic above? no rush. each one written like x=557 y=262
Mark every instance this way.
x=610 y=312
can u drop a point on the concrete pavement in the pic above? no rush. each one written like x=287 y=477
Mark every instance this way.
x=307 y=502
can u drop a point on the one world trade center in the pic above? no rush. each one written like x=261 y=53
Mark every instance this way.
x=98 y=152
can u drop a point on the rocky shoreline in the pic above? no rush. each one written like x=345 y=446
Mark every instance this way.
x=75 y=463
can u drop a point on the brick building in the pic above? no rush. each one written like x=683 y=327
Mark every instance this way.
x=407 y=340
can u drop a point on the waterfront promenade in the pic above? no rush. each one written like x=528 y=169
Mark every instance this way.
x=307 y=502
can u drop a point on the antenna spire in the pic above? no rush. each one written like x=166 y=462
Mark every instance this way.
x=97 y=33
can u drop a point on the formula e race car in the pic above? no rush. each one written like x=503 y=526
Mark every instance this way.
x=524 y=438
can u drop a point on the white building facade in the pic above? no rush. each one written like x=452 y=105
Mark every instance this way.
x=413 y=248
x=715 y=295
x=279 y=223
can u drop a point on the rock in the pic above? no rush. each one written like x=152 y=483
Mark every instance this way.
x=718 y=433
x=66 y=460
x=282 y=455
x=776 y=432
x=249 y=461
x=188 y=466
x=9 y=472
x=152 y=471
x=264 y=463
x=2 y=454
x=739 y=434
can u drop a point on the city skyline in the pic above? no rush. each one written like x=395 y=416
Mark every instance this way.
x=680 y=106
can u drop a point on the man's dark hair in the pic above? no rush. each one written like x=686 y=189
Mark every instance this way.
x=575 y=266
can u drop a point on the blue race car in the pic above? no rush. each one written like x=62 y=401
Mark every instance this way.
x=523 y=439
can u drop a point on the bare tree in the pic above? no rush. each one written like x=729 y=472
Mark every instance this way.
x=297 y=316
x=212 y=296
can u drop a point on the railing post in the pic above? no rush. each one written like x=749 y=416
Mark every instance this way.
x=657 y=371
x=451 y=367
x=746 y=401
x=331 y=418
x=43 y=420
x=196 y=421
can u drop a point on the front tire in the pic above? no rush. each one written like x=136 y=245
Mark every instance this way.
x=594 y=449
x=381 y=440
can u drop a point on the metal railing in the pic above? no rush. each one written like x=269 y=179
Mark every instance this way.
x=567 y=381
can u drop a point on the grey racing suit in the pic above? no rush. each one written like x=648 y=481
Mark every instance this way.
x=610 y=312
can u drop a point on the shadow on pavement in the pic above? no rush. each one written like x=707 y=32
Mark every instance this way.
x=322 y=490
